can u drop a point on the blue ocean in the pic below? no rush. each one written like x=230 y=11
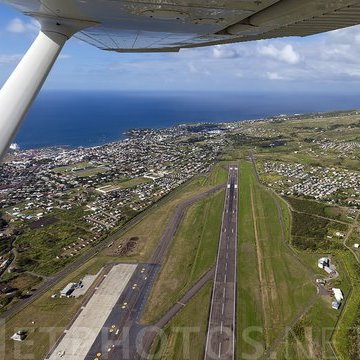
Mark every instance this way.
x=94 y=118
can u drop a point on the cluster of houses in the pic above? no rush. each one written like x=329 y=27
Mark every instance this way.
x=320 y=183
x=258 y=131
x=74 y=248
x=43 y=180
x=344 y=148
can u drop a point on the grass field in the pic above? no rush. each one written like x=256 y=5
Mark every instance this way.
x=310 y=337
x=346 y=335
x=83 y=169
x=322 y=331
x=192 y=254
x=273 y=285
x=125 y=184
x=64 y=169
x=318 y=208
x=310 y=159
x=184 y=337
x=314 y=335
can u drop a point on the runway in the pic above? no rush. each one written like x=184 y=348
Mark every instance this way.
x=220 y=340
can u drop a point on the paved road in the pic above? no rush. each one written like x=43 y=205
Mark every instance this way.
x=220 y=341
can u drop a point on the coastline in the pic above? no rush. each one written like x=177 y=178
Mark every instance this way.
x=96 y=118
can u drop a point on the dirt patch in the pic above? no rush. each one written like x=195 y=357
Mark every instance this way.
x=46 y=221
x=126 y=247
x=24 y=281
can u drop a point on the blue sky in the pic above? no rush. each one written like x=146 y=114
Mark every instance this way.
x=322 y=63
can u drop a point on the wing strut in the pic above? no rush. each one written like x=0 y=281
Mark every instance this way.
x=23 y=85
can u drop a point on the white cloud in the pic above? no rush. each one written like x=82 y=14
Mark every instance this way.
x=19 y=26
x=224 y=52
x=321 y=59
x=284 y=53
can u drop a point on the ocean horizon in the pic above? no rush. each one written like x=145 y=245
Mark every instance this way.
x=78 y=118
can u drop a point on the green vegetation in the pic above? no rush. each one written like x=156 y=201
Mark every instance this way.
x=315 y=224
x=63 y=169
x=193 y=252
x=309 y=232
x=310 y=337
x=176 y=342
x=133 y=182
x=5 y=245
x=23 y=281
x=217 y=176
x=38 y=248
x=274 y=284
x=347 y=332
x=317 y=208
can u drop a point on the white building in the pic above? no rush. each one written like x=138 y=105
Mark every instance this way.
x=68 y=289
x=338 y=294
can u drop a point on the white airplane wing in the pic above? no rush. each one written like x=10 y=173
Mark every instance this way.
x=169 y=25
x=154 y=25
